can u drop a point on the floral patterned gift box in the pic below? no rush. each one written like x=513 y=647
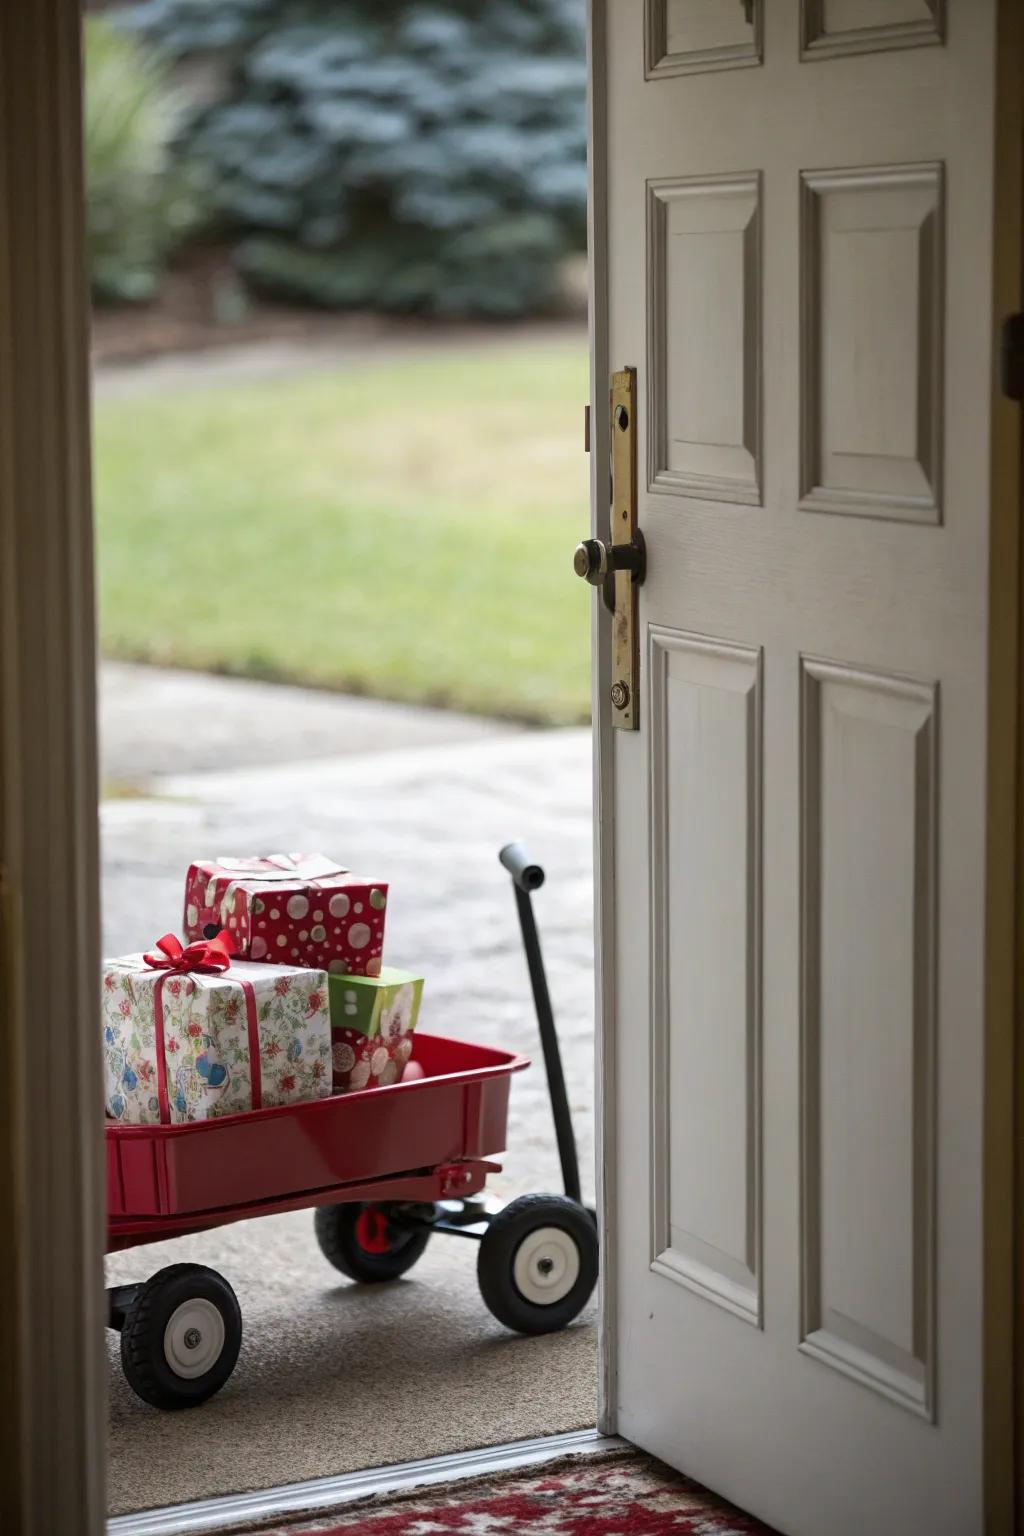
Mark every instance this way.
x=372 y=1020
x=193 y=1033
x=289 y=909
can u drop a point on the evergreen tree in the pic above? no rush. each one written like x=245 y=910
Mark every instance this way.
x=391 y=154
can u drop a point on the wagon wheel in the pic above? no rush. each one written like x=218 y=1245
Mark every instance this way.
x=180 y=1336
x=537 y=1264
x=370 y=1242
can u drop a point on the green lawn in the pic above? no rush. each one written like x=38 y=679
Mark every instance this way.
x=403 y=529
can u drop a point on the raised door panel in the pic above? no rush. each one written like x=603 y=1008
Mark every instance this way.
x=830 y=27
x=871 y=342
x=705 y=809
x=868 y=943
x=704 y=337
x=683 y=37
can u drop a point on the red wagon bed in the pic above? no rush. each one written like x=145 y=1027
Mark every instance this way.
x=432 y=1132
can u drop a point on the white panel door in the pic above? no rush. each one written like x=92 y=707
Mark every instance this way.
x=796 y=200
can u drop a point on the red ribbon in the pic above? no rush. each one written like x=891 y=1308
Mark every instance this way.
x=206 y=957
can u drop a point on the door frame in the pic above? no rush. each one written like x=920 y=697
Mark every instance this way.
x=1003 y=1237
x=51 y=1194
x=52 y=1401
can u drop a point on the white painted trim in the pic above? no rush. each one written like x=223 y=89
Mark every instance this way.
x=322 y=1494
x=604 y=816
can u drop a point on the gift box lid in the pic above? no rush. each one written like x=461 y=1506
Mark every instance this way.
x=296 y=869
x=253 y=971
x=388 y=976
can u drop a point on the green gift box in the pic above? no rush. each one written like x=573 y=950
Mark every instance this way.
x=372 y=1020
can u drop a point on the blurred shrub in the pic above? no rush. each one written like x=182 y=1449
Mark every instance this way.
x=140 y=202
x=375 y=153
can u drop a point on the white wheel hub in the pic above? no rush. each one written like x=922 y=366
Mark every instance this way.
x=194 y=1338
x=546 y=1266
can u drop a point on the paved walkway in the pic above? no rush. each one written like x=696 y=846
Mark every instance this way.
x=158 y=721
x=428 y=813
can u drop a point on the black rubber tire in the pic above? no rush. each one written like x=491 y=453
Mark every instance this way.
x=143 y=1357
x=497 y=1258
x=336 y=1228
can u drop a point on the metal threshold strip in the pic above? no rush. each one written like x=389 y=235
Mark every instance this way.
x=322 y=1494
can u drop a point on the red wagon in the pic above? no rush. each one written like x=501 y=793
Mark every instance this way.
x=383 y=1169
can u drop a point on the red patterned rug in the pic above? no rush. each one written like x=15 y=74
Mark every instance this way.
x=623 y=1495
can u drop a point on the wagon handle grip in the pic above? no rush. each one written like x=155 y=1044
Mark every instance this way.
x=526 y=875
x=527 y=878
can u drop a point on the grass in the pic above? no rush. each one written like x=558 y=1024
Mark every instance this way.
x=402 y=528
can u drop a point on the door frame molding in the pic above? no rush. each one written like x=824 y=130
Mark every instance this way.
x=52 y=1386
x=51 y=1196
x=1004 y=938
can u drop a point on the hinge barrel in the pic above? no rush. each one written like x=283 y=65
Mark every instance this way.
x=1011 y=357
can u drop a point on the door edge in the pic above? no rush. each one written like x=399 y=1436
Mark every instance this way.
x=1003 y=1209
x=603 y=779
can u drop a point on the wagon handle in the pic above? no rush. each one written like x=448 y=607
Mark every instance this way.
x=526 y=878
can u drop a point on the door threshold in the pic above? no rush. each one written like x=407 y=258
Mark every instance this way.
x=322 y=1494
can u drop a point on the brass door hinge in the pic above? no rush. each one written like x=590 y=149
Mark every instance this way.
x=620 y=566
x=1011 y=357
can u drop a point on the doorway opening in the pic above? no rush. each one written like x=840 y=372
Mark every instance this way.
x=338 y=614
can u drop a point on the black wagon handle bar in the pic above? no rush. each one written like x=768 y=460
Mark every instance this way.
x=526 y=878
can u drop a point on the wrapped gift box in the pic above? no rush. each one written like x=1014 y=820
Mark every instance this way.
x=187 y=1044
x=290 y=909
x=372 y=1020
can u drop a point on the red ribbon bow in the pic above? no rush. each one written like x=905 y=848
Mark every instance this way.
x=208 y=955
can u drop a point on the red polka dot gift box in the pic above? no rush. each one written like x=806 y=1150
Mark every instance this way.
x=372 y=1020
x=290 y=909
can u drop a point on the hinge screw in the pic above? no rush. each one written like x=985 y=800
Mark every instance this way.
x=620 y=694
